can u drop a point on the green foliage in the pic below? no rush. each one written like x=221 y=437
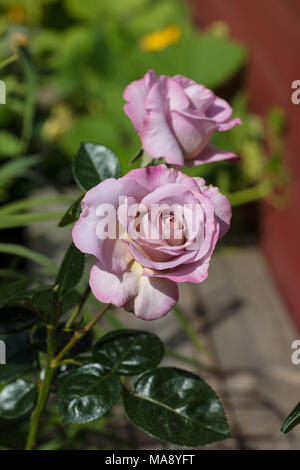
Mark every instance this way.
x=94 y=163
x=128 y=352
x=176 y=406
x=65 y=83
x=292 y=420
x=72 y=213
x=17 y=399
x=12 y=290
x=87 y=393
x=71 y=270
x=20 y=355
x=16 y=318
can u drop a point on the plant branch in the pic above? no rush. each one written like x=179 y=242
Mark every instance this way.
x=78 y=335
x=8 y=61
x=190 y=332
x=43 y=392
x=79 y=307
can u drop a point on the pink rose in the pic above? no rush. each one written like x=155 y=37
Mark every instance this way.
x=175 y=119
x=167 y=225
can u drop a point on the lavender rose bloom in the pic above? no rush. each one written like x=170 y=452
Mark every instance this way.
x=176 y=117
x=153 y=248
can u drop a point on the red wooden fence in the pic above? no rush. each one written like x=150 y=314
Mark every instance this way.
x=271 y=31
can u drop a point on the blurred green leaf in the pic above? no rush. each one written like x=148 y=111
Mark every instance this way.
x=44 y=302
x=9 y=144
x=14 y=169
x=24 y=252
x=16 y=318
x=12 y=290
x=22 y=220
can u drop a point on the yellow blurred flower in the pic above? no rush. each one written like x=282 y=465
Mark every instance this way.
x=16 y=14
x=58 y=123
x=161 y=39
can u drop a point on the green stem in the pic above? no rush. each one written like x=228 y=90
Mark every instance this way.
x=43 y=392
x=138 y=155
x=8 y=61
x=190 y=332
x=245 y=196
x=78 y=335
x=188 y=360
x=31 y=82
x=79 y=307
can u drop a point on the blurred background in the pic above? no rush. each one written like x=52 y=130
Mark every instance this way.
x=65 y=65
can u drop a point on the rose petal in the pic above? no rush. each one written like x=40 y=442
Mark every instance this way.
x=192 y=132
x=157 y=138
x=86 y=231
x=222 y=206
x=136 y=94
x=212 y=154
x=112 y=288
x=193 y=272
x=173 y=94
x=152 y=177
x=155 y=298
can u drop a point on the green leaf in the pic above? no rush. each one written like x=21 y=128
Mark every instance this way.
x=129 y=352
x=87 y=393
x=176 y=406
x=10 y=144
x=16 y=318
x=72 y=213
x=35 y=201
x=20 y=355
x=14 y=169
x=94 y=163
x=22 y=220
x=24 y=252
x=17 y=399
x=11 y=290
x=44 y=302
x=292 y=420
x=71 y=269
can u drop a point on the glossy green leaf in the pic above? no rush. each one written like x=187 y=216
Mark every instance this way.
x=72 y=214
x=176 y=406
x=20 y=355
x=292 y=420
x=16 y=318
x=129 y=352
x=87 y=393
x=17 y=399
x=71 y=270
x=94 y=163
